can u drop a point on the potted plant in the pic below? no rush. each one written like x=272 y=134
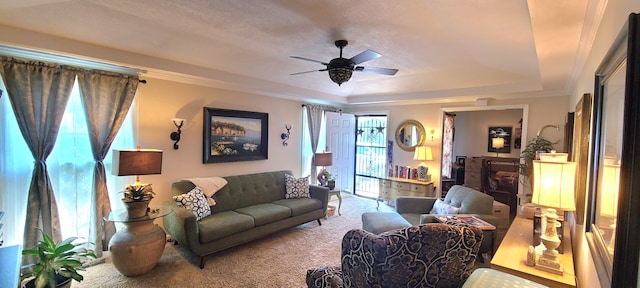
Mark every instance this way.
x=535 y=146
x=331 y=179
x=137 y=198
x=58 y=263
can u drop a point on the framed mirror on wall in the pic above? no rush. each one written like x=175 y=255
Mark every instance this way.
x=409 y=135
x=613 y=214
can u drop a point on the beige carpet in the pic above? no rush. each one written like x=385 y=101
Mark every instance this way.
x=279 y=260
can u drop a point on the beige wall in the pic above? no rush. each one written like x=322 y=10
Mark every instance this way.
x=471 y=133
x=541 y=111
x=614 y=17
x=161 y=100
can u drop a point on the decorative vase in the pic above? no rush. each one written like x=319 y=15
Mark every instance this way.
x=137 y=209
x=137 y=248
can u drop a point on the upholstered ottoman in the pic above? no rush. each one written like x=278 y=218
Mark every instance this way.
x=378 y=222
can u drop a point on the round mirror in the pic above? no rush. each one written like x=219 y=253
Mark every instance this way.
x=409 y=135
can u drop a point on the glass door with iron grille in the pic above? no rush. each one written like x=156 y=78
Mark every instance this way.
x=371 y=151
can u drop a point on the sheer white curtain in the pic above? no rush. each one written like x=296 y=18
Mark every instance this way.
x=70 y=167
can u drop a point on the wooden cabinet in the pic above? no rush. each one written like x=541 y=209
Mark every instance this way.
x=473 y=173
x=390 y=188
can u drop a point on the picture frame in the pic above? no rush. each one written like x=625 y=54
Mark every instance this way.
x=460 y=161
x=580 y=152
x=613 y=212
x=499 y=132
x=234 y=135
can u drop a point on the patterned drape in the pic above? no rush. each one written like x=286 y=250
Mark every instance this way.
x=107 y=98
x=38 y=93
x=447 y=144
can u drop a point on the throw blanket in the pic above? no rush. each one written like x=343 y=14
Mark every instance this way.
x=209 y=186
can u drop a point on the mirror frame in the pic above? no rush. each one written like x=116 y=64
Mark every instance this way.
x=420 y=129
x=622 y=270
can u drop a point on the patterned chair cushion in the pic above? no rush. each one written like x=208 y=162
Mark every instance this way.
x=428 y=255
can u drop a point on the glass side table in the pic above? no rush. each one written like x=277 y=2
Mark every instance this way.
x=136 y=249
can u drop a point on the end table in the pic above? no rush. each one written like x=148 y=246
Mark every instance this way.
x=136 y=249
x=336 y=192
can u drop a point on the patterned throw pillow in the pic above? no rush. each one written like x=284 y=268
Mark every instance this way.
x=296 y=187
x=439 y=207
x=194 y=201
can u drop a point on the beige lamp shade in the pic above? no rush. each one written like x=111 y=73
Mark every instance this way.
x=324 y=159
x=497 y=143
x=553 y=183
x=136 y=162
x=610 y=188
x=423 y=153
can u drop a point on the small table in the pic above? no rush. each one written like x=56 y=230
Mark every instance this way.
x=136 y=249
x=473 y=221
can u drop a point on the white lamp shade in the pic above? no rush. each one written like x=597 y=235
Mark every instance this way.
x=553 y=184
x=423 y=153
x=609 y=190
x=497 y=143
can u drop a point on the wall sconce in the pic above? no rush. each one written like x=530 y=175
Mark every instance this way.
x=285 y=136
x=175 y=136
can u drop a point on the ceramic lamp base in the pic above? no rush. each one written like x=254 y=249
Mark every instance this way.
x=422 y=173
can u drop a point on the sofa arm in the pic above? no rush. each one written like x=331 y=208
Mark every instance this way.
x=321 y=193
x=181 y=224
x=411 y=204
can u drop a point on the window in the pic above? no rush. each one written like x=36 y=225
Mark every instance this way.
x=371 y=153
x=70 y=168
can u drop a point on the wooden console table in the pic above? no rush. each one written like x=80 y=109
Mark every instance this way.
x=392 y=187
x=512 y=253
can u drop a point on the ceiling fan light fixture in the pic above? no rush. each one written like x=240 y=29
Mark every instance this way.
x=340 y=75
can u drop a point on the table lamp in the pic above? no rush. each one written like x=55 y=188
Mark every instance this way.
x=553 y=188
x=609 y=198
x=323 y=159
x=423 y=153
x=497 y=143
x=127 y=162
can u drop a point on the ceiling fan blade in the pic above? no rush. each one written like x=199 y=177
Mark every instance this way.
x=384 y=71
x=364 y=56
x=307 y=59
x=305 y=72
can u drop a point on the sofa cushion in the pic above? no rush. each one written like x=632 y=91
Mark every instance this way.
x=194 y=201
x=300 y=206
x=250 y=189
x=439 y=207
x=223 y=224
x=469 y=200
x=296 y=187
x=265 y=213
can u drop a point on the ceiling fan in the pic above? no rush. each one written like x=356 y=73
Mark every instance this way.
x=340 y=69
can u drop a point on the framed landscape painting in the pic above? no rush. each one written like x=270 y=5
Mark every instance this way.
x=233 y=135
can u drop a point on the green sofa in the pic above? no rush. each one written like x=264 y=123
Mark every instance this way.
x=249 y=207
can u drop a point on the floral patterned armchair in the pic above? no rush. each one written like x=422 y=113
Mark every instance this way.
x=428 y=255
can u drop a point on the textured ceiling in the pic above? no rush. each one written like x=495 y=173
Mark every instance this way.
x=444 y=49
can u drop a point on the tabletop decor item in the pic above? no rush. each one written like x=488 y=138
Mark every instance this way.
x=137 y=162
